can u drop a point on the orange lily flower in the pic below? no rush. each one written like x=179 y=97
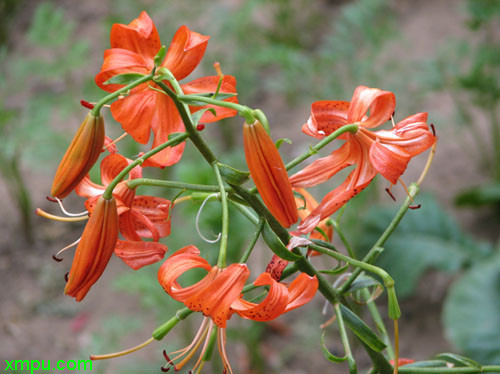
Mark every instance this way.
x=304 y=208
x=269 y=173
x=217 y=296
x=387 y=152
x=133 y=48
x=94 y=249
x=80 y=156
x=139 y=216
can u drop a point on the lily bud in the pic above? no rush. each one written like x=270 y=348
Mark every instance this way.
x=94 y=249
x=80 y=156
x=269 y=174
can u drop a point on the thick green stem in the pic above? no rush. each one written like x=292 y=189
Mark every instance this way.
x=352 y=128
x=221 y=262
x=173 y=141
x=185 y=114
x=97 y=108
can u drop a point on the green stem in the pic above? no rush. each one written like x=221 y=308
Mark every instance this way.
x=246 y=212
x=345 y=341
x=221 y=262
x=252 y=243
x=133 y=183
x=343 y=239
x=242 y=109
x=185 y=114
x=97 y=108
x=352 y=128
x=373 y=252
x=174 y=140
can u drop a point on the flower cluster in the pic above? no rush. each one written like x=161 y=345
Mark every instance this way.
x=142 y=78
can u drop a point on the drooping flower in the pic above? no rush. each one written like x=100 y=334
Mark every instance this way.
x=218 y=296
x=323 y=231
x=385 y=151
x=94 y=249
x=139 y=216
x=269 y=174
x=80 y=156
x=145 y=109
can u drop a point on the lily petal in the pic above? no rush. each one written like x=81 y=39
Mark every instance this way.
x=389 y=160
x=381 y=105
x=326 y=117
x=137 y=254
x=139 y=36
x=301 y=291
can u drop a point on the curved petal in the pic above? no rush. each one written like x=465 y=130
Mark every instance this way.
x=185 y=52
x=301 y=291
x=209 y=84
x=111 y=166
x=137 y=254
x=119 y=61
x=135 y=113
x=389 y=160
x=165 y=121
x=324 y=168
x=157 y=211
x=268 y=309
x=335 y=199
x=139 y=36
x=381 y=105
x=177 y=264
x=216 y=298
x=87 y=188
x=276 y=266
x=326 y=117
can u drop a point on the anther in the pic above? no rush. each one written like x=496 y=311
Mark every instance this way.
x=433 y=128
x=165 y=369
x=169 y=361
x=200 y=127
x=86 y=104
x=415 y=206
x=51 y=199
x=57 y=259
x=66 y=277
x=390 y=194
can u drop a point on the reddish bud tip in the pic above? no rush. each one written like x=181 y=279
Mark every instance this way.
x=200 y=127
x=86 y=104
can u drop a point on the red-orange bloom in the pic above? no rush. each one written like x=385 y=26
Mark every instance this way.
x=386 y=151
x=269 y=174
x=133 y=48
x=323 y=231
x=94 y=249
x=80 y=156
x=139 y=216
x=218 y=296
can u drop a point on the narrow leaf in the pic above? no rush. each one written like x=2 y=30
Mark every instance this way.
x=361 y=329
x=124 y=78
x=277 y=245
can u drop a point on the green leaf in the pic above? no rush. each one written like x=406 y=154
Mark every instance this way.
x=426 y=238
x=196 y=116
x=124 y=79
x=277 y=245
x=232 y=175
x=472 y=309
x=363 y=281
x=160 y=56
x=489 y=194
x=361 y=329
x=280 y=141
x=458 y=360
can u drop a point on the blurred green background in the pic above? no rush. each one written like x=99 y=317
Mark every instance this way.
x=442 y=57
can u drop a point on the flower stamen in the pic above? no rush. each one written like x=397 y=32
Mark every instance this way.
x=59 y=201
x=411 y=198
x=56 y=256
x=122 y=353
x=53 y=217
x=122 y=136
